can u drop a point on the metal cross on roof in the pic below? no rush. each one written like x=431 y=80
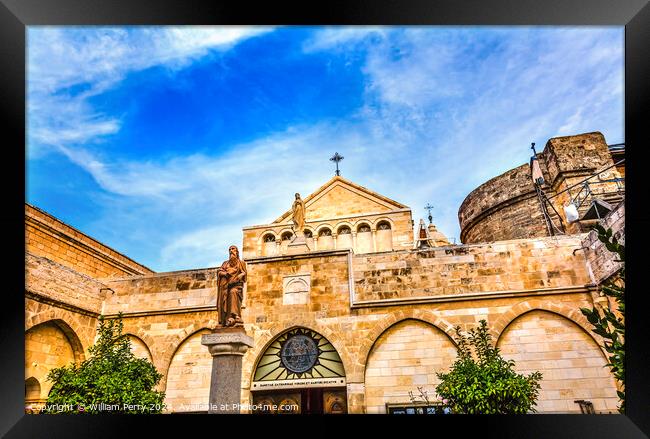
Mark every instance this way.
x=429 y=207
x=336 y=158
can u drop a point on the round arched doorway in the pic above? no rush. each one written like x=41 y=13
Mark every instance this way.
x=299 y=372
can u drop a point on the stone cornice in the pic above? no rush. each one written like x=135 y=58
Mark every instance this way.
x=40 y=297
x=93 y=247
x=324 y=220
x=471 y=296
x=313 y=254
x=158 y=312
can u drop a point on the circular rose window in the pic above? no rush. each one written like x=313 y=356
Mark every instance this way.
x=299 y=353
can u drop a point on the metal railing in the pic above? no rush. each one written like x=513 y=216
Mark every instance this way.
x=590 y=190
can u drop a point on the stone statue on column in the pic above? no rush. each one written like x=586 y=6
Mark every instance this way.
x=228 y=342
x=231 y=277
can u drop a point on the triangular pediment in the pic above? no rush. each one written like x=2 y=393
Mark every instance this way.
x=339 y=198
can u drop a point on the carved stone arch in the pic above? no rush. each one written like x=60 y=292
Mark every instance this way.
x=363 y=222
x=369 y=341
x=67 y=317
x=382 y=219
x=139 y=338
x=174 y=346
x=32 y=389
x=283 y=231
x=341 y=224
x=265 y=248
x=52 y=316
x=572 y=314
x=277 y=329
x=152 y=343
x=268 y=232
x=324 y=226
x=188 y=372
x=297 y=285
x=139 y=332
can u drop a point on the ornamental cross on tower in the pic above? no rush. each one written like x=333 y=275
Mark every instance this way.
x=429 y=207
x=336 y=158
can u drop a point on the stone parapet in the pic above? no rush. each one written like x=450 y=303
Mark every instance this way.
x=59 y=284
x=515 y=267
x=163 y=292
x=50 y=237
x=601 y=263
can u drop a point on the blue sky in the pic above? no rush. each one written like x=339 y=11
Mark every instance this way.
x=163 y=142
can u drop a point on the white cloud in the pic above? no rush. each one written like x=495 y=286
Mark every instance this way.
x=203 y=201
x=443 y=113
x=341 y=37
x=457 y=108
x=68 y=65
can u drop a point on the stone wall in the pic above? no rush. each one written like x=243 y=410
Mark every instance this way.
x=51 y=238
x=160 y=312
x=601 y=263
x=79 y=325
x=405 y=357
x=188 y=379
x=338 y=204
x=399 y=236
x=390 y=316
x=551 y=278
x=46 y=347
x=582 y=153
x=56 y=282
x=572 y=365
x=514 y=265
x=163 y=292
x=167 y=312
x=506 y=207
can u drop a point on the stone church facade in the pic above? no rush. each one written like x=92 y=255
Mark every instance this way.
x=377 y=293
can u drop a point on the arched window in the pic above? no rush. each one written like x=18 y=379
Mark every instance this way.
x=286 y=236
x=344 y=239
x=364 y=239
x=325 y=239
x=32 y=389
x=384 y=238
x=299 y=354
x=269 y=247
x=384 y=225
x=307 y=233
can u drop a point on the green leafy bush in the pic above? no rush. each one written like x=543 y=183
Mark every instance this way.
x=609 y=325
x=112 y=380
x=482 y=382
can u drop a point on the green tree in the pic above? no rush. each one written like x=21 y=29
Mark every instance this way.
x=609 y=325
x=112 y=380
x=482 y=382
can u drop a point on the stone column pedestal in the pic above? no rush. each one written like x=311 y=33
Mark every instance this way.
x=298 y=245
x=227 y=347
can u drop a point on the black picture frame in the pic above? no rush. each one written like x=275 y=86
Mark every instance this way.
x=15 y=15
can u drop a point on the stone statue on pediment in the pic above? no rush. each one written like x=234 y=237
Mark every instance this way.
x=298 y=215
